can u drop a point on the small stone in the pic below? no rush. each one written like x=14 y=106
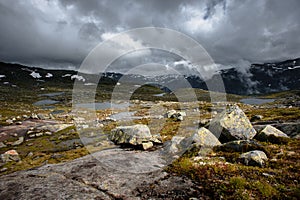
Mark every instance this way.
x=11 y=155
x=62 y=137
x=9 y=121
x=254 y=158
x=173 y=114
x=18 y=142
x=84 y=126
x=25 y=116
x=29 y=132
x=34 y=116
x=2 y=145
x=19 y=123
x=214 y=113
x=256 y=117
x=41 y=116
x=56 y=156
x=156 y=139
x=267 y=175
x=48 y=133
x=51 y=116
x=39 y=134
x=180 y=118
x=147 y=145
x=3 y=169
x=203 y=122
x=100 y=125
x=170 y=113
x=30 y=154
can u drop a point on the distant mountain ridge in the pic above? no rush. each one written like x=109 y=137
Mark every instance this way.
x=257 y=79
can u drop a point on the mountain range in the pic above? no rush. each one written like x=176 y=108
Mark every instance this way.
x=257 y=79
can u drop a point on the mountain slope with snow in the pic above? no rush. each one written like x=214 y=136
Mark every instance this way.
x=258 y=79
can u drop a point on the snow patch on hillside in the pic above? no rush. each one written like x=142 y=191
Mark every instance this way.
x=79 y=78
x=35 y=75
x=49 y=75
x=295 y=67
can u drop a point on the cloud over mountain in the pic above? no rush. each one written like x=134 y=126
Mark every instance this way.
x=61 y=33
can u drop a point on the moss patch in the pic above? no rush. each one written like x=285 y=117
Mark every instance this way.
x=278 y=180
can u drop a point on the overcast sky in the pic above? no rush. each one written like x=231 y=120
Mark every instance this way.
x=61 y=33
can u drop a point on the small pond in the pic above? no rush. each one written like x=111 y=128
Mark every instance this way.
x=103 y=105
x=256 y=101
x=124 y=116
x=52 y=94
x=45 y=102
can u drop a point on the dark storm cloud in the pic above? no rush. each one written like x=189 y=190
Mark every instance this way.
x=61 y=33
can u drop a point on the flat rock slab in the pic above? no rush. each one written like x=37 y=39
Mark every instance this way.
x=108 y=174
x=20 y=130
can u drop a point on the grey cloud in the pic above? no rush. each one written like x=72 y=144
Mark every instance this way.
x=63 y=32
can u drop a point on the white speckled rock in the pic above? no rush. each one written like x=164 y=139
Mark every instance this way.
x=232 y=124
x=134 y=135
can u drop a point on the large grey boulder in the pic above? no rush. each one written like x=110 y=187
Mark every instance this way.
x=272 y=134
x=232 y=124
x=137 y=135
x=254 y=158
x=179 y=145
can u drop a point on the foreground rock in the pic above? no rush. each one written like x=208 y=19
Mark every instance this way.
x=136 y=135
x=254 y=158
x=108 y=174
x=179 y=145
x=232 y=124
x=272 y=134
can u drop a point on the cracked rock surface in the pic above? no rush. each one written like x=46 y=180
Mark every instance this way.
x=108 y=174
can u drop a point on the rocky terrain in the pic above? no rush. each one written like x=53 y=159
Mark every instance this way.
x=152 y=148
